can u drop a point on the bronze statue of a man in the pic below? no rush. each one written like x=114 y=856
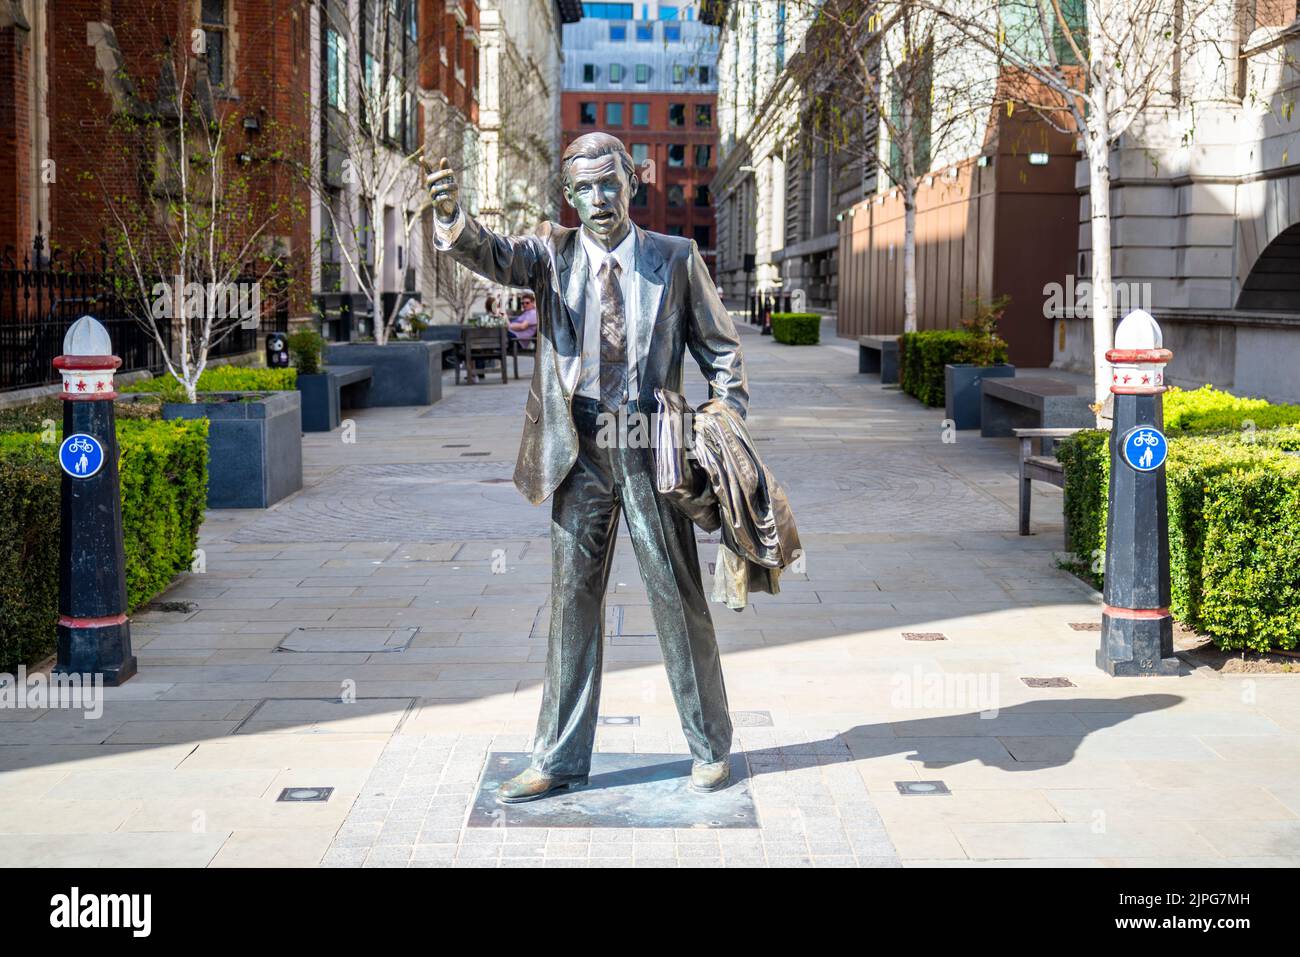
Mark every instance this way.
x=617 y=307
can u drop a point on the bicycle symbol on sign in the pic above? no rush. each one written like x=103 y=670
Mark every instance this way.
x=1146 y=438
x=80 y=444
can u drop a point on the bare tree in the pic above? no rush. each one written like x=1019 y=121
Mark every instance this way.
x=900 y=64
x=372 y=169
x=1094 y=67
x=198 y=245
x=460 y=289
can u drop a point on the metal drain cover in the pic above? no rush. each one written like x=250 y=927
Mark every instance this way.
x=305 y=795
x=751 y=719
x=620 y=720
x=1049 y=682
x=921 y=788
x=368 y=641
x=924 y=636
x=1086 y=625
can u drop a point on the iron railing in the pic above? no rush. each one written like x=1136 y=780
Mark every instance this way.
x=41 y=296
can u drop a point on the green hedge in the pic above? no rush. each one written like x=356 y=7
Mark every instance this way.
x=1234 y=529
x=797 y=328
x=164 y=476
x=1208 y=409
x=922 y=356
x=221 y=379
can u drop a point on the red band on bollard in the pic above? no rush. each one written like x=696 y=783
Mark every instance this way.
x=1135 y=613
x=68 y=621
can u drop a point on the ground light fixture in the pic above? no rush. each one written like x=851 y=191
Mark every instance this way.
x=1038 y=159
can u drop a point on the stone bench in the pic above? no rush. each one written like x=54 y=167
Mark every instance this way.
x=1043 y=467
x=1031 y=403
x=878 y=355
x=326 y=394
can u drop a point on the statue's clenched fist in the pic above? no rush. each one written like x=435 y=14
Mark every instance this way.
x=445 y=192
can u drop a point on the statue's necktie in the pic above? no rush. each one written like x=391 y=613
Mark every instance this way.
x=613 y=338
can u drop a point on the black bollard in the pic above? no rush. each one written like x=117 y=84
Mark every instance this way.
x=94 y=636
x=1137 y=636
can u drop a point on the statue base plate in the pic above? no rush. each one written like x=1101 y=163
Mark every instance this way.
x=624 y=790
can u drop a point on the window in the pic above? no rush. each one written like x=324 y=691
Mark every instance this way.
x=645 y=32
x=640 y=114
x=214 y=40
x=613 y=114
x=702 y=236
x=672 y=33
x=703 y=157
x=394 y=97
x=587 y=114
x=412 y=21
x=616 y=73
x=676 y=114
x=780 y=36
x=589 y=73
x=674 y=229
x=336 y=71
x=640 y=153
x=618 y=32
x=642 y=197
x=607 y=11
x=676 y=154
x=667 y=12
x=643 y=72
x=679 y=73
x=704 y=115
x=702 y=197
x=409 y=105
x=703 y=73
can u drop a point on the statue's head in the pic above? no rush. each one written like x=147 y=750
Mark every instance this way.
x=599 y=182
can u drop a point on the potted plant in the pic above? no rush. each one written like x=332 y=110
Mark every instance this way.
x=320 y=403
x=982 y=355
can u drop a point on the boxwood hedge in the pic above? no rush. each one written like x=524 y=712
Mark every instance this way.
x=164 y=475
x=1234 y=521
x=797 y=328
x=922 y=356
x=221 y=379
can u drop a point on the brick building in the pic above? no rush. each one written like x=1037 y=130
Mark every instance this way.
x=646 y=72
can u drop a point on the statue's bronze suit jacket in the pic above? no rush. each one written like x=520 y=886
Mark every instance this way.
x=674 y=288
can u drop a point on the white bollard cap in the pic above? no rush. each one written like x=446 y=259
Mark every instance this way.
x=1139 y=330
x=87 y=337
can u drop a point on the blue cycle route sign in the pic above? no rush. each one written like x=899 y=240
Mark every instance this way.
x=81 y=455
x=1145 y=448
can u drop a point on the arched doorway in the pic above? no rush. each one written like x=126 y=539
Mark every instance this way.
x=1274 y=281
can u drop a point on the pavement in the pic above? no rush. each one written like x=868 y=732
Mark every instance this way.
x=382 y=632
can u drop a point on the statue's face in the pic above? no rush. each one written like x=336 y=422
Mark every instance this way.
x=600 y=190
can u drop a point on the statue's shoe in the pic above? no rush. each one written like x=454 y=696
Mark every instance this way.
x=533 y=784
x=713 y=776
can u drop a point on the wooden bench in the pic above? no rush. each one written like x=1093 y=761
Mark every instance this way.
x=1043 y=467
x=481 y=344
x=335 y=389
x=878 y=355
x=1031 y=403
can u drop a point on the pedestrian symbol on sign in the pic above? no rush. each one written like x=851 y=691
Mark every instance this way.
x=81 y=455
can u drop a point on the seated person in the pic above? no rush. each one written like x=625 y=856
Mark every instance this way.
x=524 y=326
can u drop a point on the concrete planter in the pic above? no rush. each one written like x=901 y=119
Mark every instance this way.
x=254 y=445
x=405 y=373
x=320 y=403
x=961 y=391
